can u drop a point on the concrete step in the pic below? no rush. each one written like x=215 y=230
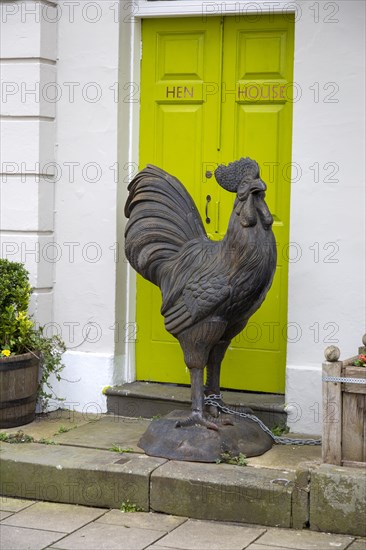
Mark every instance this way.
x=151 y=399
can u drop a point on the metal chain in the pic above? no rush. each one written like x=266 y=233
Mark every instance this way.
x=213 y=400
x=344 y=380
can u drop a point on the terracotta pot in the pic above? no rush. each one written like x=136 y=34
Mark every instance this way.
x=18 y=389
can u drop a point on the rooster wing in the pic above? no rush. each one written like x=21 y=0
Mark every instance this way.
x=199 y=298
x=162 y=219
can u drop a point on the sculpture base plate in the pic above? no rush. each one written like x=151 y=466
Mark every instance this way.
x=199 y=444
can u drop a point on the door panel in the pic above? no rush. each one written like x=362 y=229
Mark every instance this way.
x=212 y=92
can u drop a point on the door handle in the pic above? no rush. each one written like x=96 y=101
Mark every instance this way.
x=208 y=200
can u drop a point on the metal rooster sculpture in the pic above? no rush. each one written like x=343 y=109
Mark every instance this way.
x=210 y=289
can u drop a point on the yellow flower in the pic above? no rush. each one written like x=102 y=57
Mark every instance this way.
x=6 y=352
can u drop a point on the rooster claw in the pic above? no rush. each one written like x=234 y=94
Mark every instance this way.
x=194 y=419
x=214 y=411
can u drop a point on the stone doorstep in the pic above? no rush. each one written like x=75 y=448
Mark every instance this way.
x=148 y=399
x=324 y=498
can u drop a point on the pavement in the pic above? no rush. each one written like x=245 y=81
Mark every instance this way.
x=31 y=525
x=66 y=477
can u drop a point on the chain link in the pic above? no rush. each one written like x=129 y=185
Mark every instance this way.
x=344 y=380
x=213 y=400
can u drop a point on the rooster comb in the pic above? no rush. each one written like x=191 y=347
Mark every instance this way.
x=231 y=175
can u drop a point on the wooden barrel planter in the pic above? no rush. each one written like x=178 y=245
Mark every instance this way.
x=18 y=389
x=344 y=410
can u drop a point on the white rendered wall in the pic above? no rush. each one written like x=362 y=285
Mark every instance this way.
x=28 y=68
x=86 y=200
x=327 y=271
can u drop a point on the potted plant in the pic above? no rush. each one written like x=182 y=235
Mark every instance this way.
x=27 y=356
x=360 y=361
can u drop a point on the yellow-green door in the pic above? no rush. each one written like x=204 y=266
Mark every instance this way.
x=211 y=92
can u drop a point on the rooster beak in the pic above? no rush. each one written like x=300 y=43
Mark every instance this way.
x=251 y=188
x=257 y=186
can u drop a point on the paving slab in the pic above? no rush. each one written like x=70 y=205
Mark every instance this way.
x=76 y=475
x=19 y=538
x=338 y=500
x=125 y=432
x=63 y=518
x=108 y=431
x=9 y=504
x=208 y=535
x=287 y=457
x=358 y=545
x=223 y=492
x=4 y=515
x=45 y=426
x=143 y=520
x=102 y=536
x=303 y=540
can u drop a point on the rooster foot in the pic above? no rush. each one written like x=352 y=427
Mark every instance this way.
x=213 y=410
x=196 y=418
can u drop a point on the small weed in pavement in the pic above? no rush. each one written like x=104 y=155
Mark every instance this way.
x=18 y=437
x=227 y=458
x=118 y=449
x=280 y=430
x=64 y=429
x=128 y=506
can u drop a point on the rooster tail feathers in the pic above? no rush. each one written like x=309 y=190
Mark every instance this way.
x=162 y=218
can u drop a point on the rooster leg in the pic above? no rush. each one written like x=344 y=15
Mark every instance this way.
x=213 y=373
x=197 y=403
